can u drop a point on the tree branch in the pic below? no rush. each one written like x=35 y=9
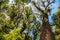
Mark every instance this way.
x=43 y=3
x=50 y=3
x=37 y=7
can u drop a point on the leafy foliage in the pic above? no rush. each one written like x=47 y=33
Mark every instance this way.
x=57 y=25
x=17 y=22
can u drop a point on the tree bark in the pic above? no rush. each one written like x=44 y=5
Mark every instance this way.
x=46 y=31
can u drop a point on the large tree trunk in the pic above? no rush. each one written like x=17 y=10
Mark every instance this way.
x=46 y=31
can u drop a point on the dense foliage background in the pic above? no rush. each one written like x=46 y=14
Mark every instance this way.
x=18 y=22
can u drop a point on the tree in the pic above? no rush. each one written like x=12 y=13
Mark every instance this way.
x=18 y=22
x=57 y=24
x=46 y=31
x=14 y=17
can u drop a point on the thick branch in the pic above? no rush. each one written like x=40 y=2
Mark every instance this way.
x=37 y=7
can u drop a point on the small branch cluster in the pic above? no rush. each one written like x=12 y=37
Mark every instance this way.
x=49 y=2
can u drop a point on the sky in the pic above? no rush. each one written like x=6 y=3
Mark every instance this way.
x=55 y=6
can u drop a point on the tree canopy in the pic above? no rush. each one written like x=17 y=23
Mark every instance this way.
x=18 y=21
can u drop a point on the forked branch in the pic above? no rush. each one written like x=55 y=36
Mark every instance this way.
x=49 y=3
x=37 y=7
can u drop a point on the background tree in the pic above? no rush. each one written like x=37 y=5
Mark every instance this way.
x=57 y=24
x=15 y=19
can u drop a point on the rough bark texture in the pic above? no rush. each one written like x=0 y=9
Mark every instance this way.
x=46 y=31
